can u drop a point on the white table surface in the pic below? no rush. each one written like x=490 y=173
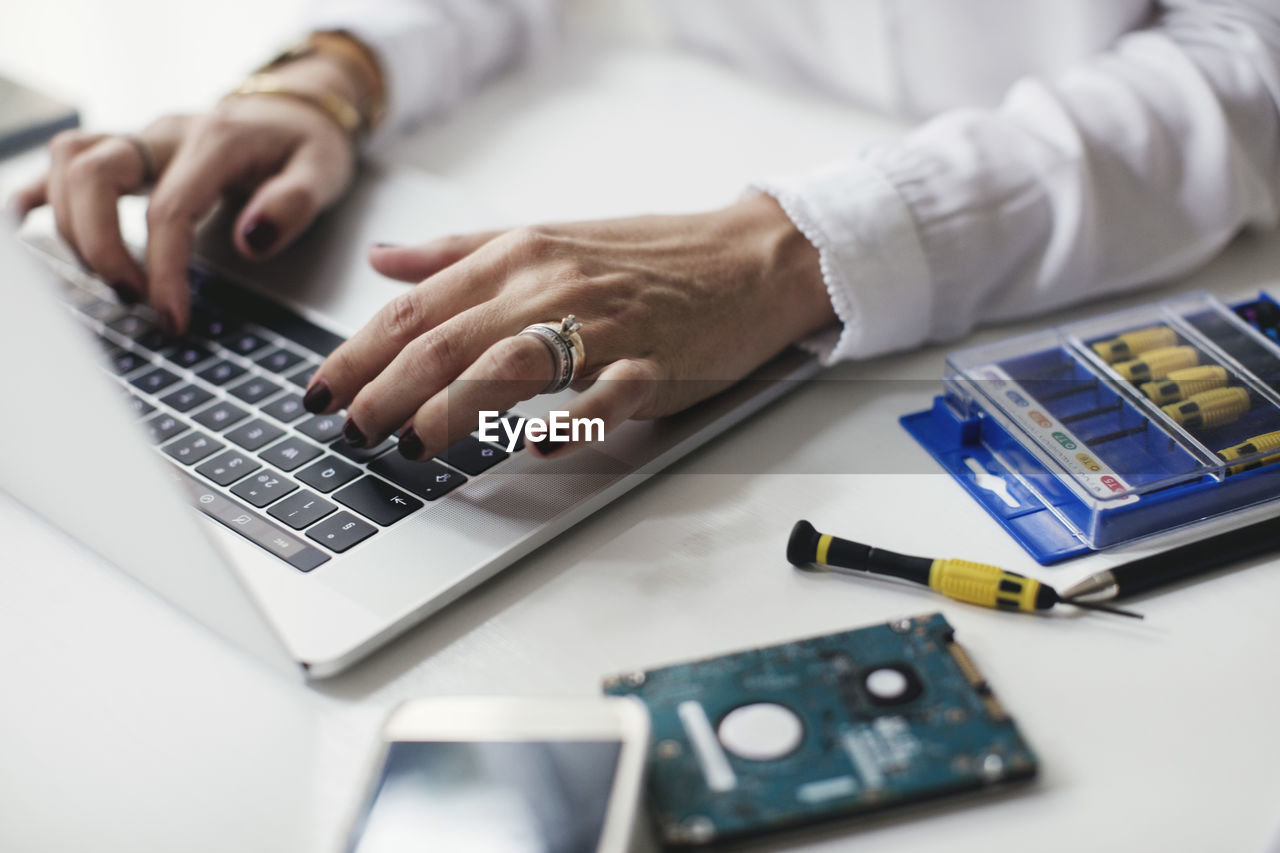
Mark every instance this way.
x=125 y=727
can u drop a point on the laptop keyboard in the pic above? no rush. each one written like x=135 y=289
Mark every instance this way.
x=224 y=405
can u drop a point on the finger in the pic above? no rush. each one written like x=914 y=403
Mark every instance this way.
x=286 y=204
x=415 y=263
x=514 y=369
x=31 y=196
x=421 y=370
x=411 y=314
x=62 y=149
x=621 y=390
x=189 y=188
x=98 y=176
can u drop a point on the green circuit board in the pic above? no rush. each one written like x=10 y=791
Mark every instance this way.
x=828 y=726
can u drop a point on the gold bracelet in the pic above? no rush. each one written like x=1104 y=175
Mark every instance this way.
x=336 y=107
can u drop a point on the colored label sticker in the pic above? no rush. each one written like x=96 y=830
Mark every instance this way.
x=1088 y=462
x=1018 y=399
x=1039 y=419
x=1062 y=439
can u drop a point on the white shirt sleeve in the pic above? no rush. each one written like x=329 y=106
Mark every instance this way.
x=1131 y=168
x=433 y=52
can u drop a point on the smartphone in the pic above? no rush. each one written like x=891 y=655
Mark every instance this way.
x=485 y=774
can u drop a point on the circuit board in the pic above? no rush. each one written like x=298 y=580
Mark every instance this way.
x=824 y=727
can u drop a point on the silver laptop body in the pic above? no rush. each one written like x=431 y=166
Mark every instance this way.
x=91 y=469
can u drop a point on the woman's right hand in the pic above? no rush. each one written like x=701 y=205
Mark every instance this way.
x=291 y=158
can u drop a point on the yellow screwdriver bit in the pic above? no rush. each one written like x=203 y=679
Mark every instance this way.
x=1132 y=344
x=1257 y=444
x=1181 y=384
x=1157 y=363
x=1209 y=408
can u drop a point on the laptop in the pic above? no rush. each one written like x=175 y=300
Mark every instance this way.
x=193 y=467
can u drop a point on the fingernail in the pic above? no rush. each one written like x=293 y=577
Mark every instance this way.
x=352 y=434
x=127 y=292
x=261 y=235
x=318 y=397
x=410 y=445
x=169 y=322
x=546 y=447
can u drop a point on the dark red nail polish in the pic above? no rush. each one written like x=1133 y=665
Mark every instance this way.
x=318 y=397
x=261 y=235
x=168 y=323
x=127 y=293
x=352 y=434
x=410 y=445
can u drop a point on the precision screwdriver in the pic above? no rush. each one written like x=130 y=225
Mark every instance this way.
x=976 y=583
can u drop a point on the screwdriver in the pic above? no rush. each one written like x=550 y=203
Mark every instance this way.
x=976 y=583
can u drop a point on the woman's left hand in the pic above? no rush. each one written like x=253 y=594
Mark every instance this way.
x=673 y=309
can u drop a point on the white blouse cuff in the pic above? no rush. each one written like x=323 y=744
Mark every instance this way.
x=872 y=260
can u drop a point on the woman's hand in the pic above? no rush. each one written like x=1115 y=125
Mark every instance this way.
x=292 y=158
x=673 y=309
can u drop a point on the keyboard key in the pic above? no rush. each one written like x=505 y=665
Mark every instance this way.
x=290 y=453
x=192 y=448
x=131 y=326
x=255 y=434
x=302 y=377
x=233 y=515
x=362 y=454
x=377 y=500
x=164 y=427
x=154 y=340
x=221 y=415
x=254 y=388
x=473 y=456
x=187 y=398
x=228 y=467
x=155 y=380
x=328 y=474
x=279 y=360
x=127 y=361
x=264 y=487
x=511 y=422
x=341 y=531
x=221 y=372
x=187 y=354
x=287 y=409
x=323 y=428
x=243 y=343
x=429 y=480
x=139 y=406
x=301 y=510
x=210 y=324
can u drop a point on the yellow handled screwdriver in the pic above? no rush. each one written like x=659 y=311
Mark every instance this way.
x=976 y=583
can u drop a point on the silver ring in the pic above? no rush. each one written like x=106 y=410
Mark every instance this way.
x=565 y=345
x=149 y=171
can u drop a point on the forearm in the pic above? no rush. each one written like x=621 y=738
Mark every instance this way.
x=1132 y=168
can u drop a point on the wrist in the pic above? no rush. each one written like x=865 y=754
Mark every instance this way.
x=790 y=266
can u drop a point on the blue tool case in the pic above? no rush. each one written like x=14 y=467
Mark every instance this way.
x=1118 y=427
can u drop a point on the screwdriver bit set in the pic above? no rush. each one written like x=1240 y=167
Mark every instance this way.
x=1118 y=427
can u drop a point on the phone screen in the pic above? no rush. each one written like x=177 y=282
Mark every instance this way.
x=543 y=796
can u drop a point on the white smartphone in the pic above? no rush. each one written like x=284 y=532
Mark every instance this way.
x=485 y=774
